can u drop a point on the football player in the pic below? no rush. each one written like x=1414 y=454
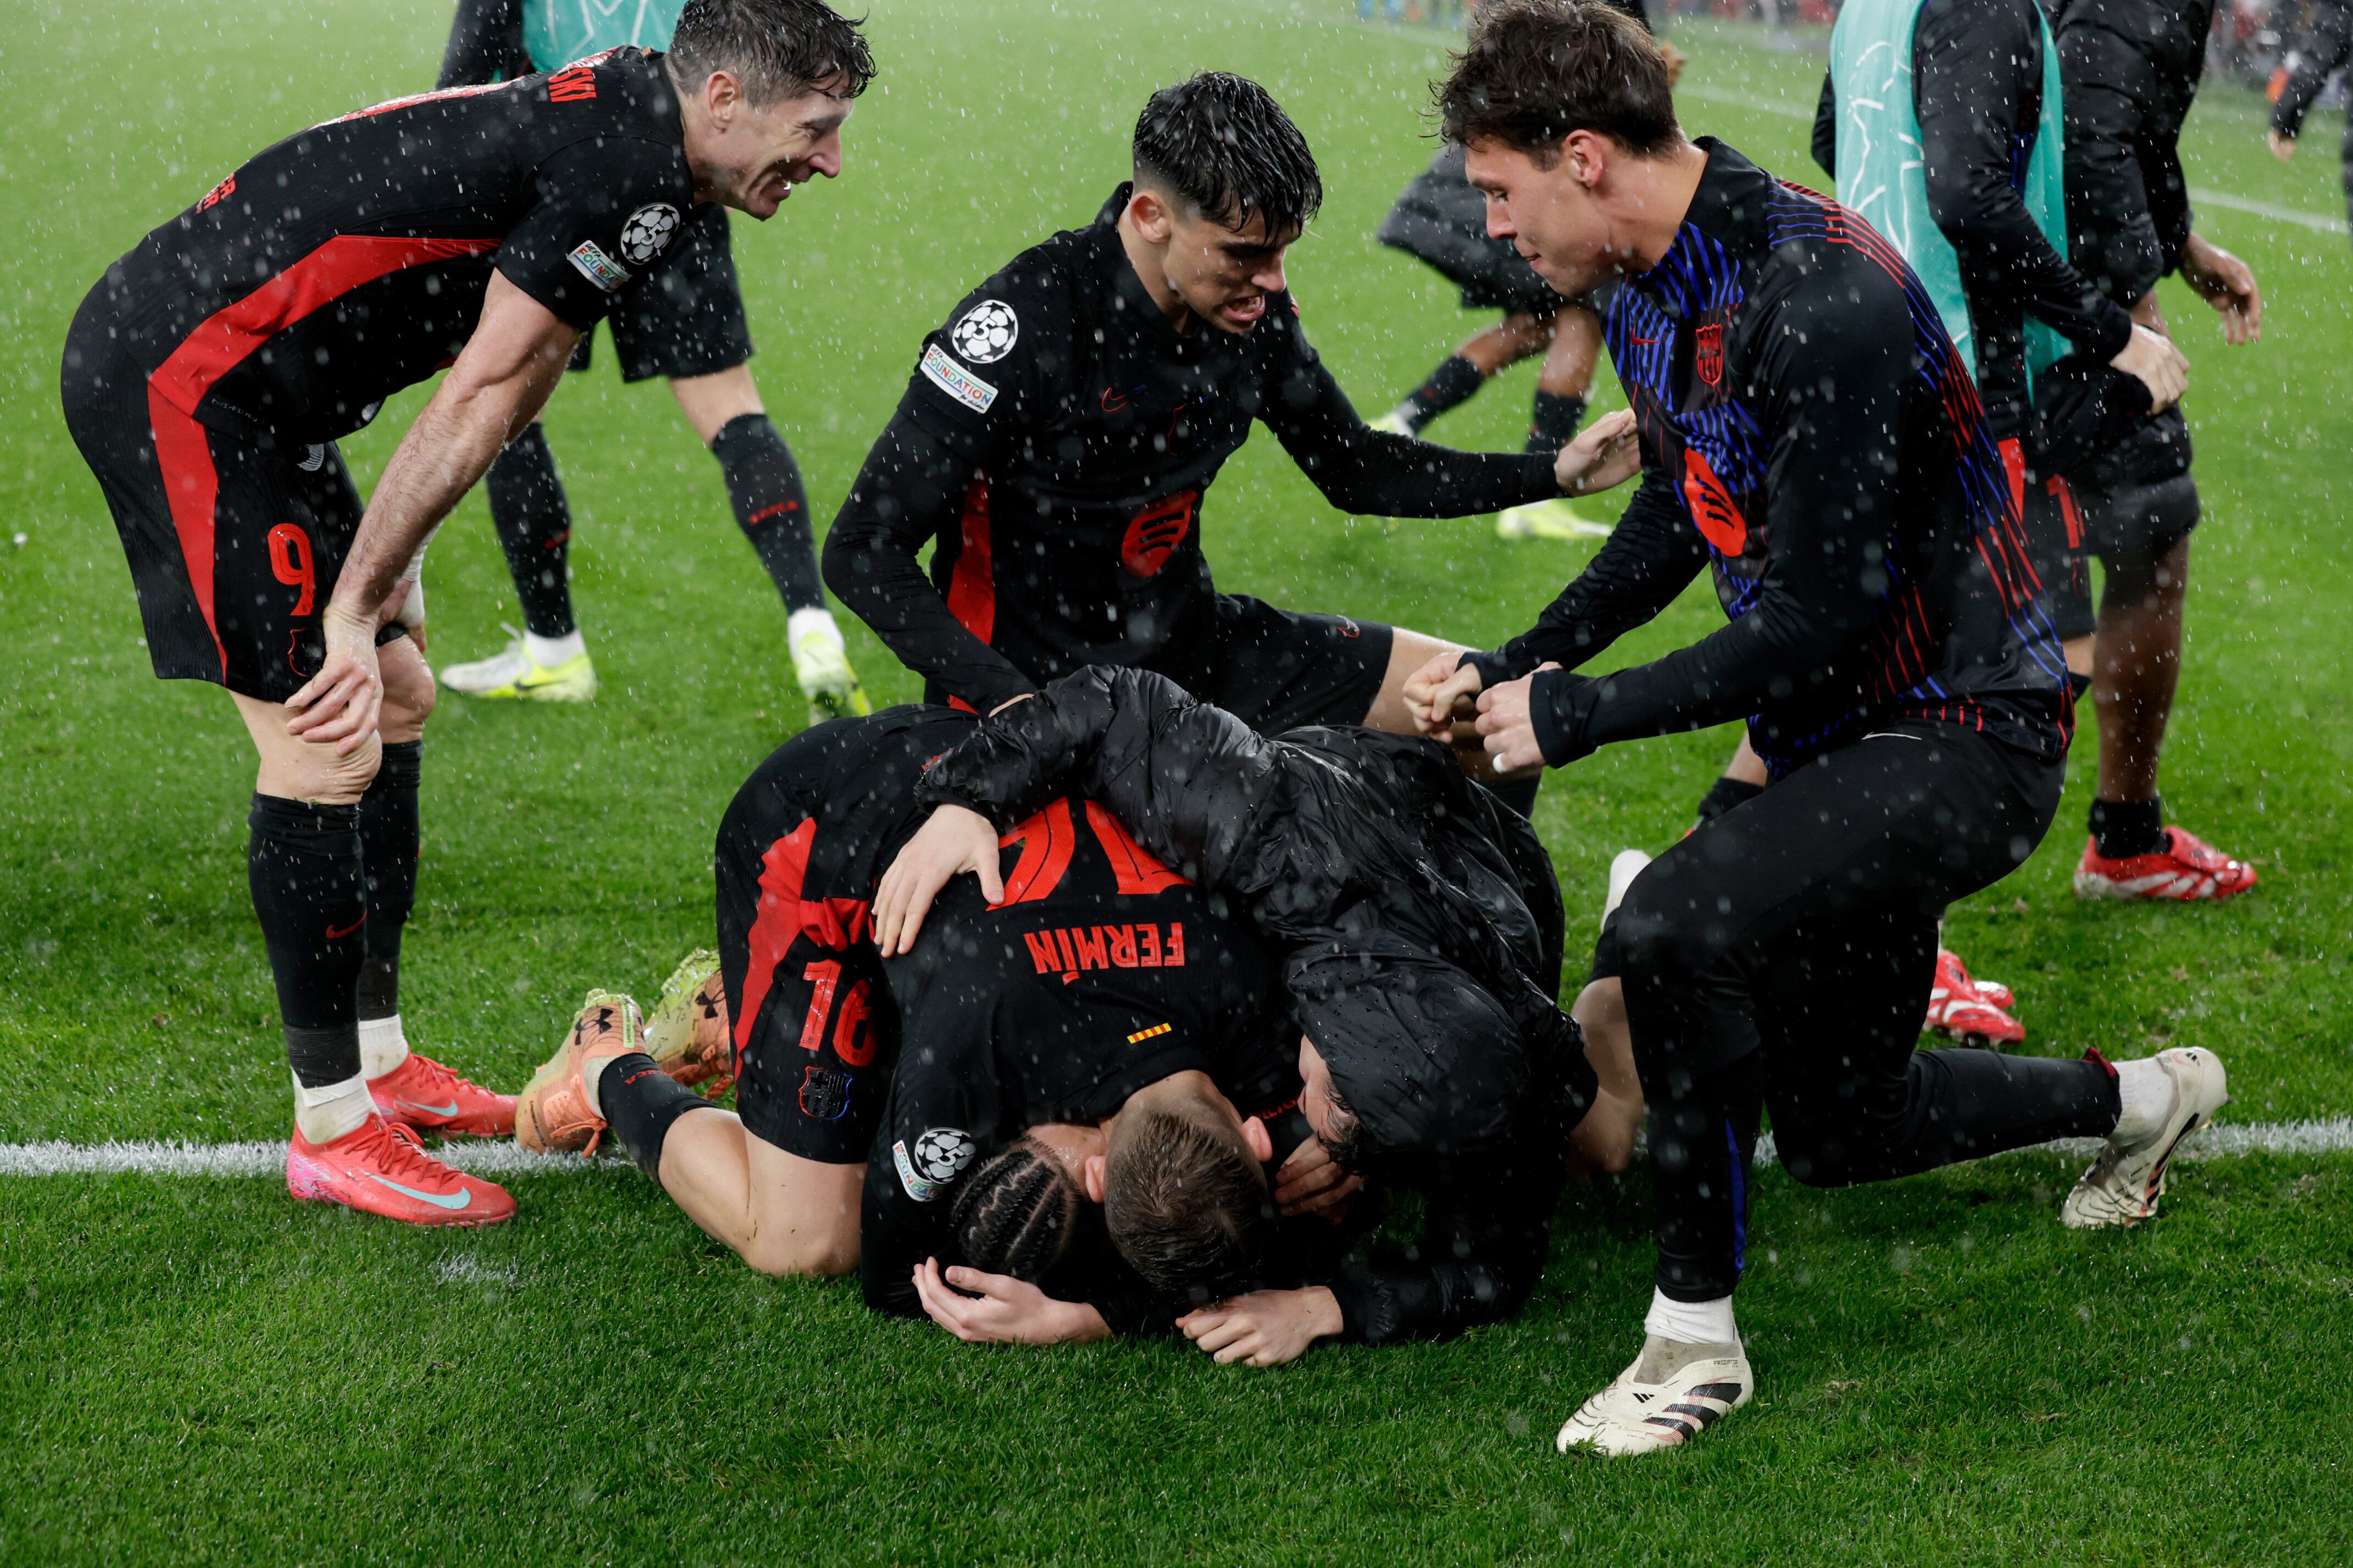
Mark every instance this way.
x=1809 y=433
x=1062 y=430
x=207 y=377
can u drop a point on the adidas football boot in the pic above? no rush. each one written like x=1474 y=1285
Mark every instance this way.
x=513 y=673
x=1634 y=1417
x=2124 y=1185
x=1974 y=1012
x=687 y=1033
x=553 y=1114
x=426 y=1097
x=2187 y=869
x=379 y=1168
x=1554 y=518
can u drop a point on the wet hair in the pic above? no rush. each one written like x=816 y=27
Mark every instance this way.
x=1018 y=1214
x=776 y=48
x=1346 y=1144
x=1185 y=1206
x=1535 y=70
x=1221 y=144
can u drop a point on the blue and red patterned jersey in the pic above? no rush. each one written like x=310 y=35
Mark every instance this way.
x=1810 y=434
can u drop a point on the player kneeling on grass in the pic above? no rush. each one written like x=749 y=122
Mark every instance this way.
x=1420 y=926
x=1808 y=430
x=206 y=380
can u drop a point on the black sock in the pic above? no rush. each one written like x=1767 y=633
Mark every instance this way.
x=388 y=855
x=1453 y=383
x=641 y=1101
x=302 y=864
x=535 y=524
x=1520 y=794
x=1553 y=424
x=771 y=504
x=1724 y=794
x=2125 y=827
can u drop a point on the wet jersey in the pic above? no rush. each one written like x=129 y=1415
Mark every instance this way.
x=1809 y=433
x=1057 y=438
x=351 y=259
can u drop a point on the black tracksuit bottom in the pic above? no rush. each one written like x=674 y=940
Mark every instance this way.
x=1779 y=958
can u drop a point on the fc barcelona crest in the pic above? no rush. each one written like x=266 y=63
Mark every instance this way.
x=1708 y=357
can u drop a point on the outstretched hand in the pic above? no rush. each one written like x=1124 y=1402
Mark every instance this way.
x=2228 y=284
x=955 y=840
x=341 y=704
x=1265 y=1328
x=1007 y=1312
x=1605 y=455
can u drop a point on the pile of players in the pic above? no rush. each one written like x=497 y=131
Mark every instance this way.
x=1114 y=988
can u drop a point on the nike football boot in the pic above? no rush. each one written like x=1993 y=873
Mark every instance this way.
x=2124 y=1185
x=687 y=1033
x=426 y=1097
x=553 y=1114
x=379 y=1168
x=513 y=673
x=1554 y=518
x=2187 y=869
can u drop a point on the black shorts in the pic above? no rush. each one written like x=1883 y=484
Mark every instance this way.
x=234 y=544
x=686 y=320
x=1441 y=219
x=2069 y=526
x=799 y=849
x=1277 y=669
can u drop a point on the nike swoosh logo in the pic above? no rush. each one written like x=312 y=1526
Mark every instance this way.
x=334 y=935
x=527 y=683
x=448 y=1110
x=456 y=1200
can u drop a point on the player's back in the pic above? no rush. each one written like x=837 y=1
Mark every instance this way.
x=351 y=259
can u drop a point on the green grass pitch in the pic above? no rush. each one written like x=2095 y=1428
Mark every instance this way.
x=201 y=1371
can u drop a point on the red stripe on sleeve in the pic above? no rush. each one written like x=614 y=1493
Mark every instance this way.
x=184 y=457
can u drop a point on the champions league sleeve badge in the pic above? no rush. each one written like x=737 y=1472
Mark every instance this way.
x=986 y=333
x=648 y=230
x=939 y=1157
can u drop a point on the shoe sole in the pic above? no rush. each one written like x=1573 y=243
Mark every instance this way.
x=2154 y=1188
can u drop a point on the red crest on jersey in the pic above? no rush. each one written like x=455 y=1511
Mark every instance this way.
x=1708 y=359
x=1712 y=506
x=1155 y=532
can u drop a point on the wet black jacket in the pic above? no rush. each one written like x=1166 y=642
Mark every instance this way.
x=1421 y=927
x=2129 y=69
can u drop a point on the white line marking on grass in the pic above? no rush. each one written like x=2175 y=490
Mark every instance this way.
x=2333 y=1136
x=148 y=1157
x=2313 y=221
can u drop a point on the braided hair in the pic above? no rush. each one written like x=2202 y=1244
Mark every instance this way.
x=1018 y=1214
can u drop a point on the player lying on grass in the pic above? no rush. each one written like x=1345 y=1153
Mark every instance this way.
x=1061 y=431
x=206 y=380
x=1420 y=926
x=1808 y=431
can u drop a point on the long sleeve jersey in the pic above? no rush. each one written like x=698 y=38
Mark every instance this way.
x=1057 y=438
x=1977 y=83
x=1810 y=433
x=2324 y=45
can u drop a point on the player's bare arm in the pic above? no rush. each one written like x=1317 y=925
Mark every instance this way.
x=498 y=385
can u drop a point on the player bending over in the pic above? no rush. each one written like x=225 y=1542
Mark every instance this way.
x=1421 y=933
x=687 y=325
x=1810 y=433
x=208 y=378
x=1060 y=433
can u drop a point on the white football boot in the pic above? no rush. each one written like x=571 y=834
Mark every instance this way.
x=1554 y=518
x=1395 y=423
x=2124 y=1183
x=821 y=665
x=1696 y=1386
x=513 y=673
